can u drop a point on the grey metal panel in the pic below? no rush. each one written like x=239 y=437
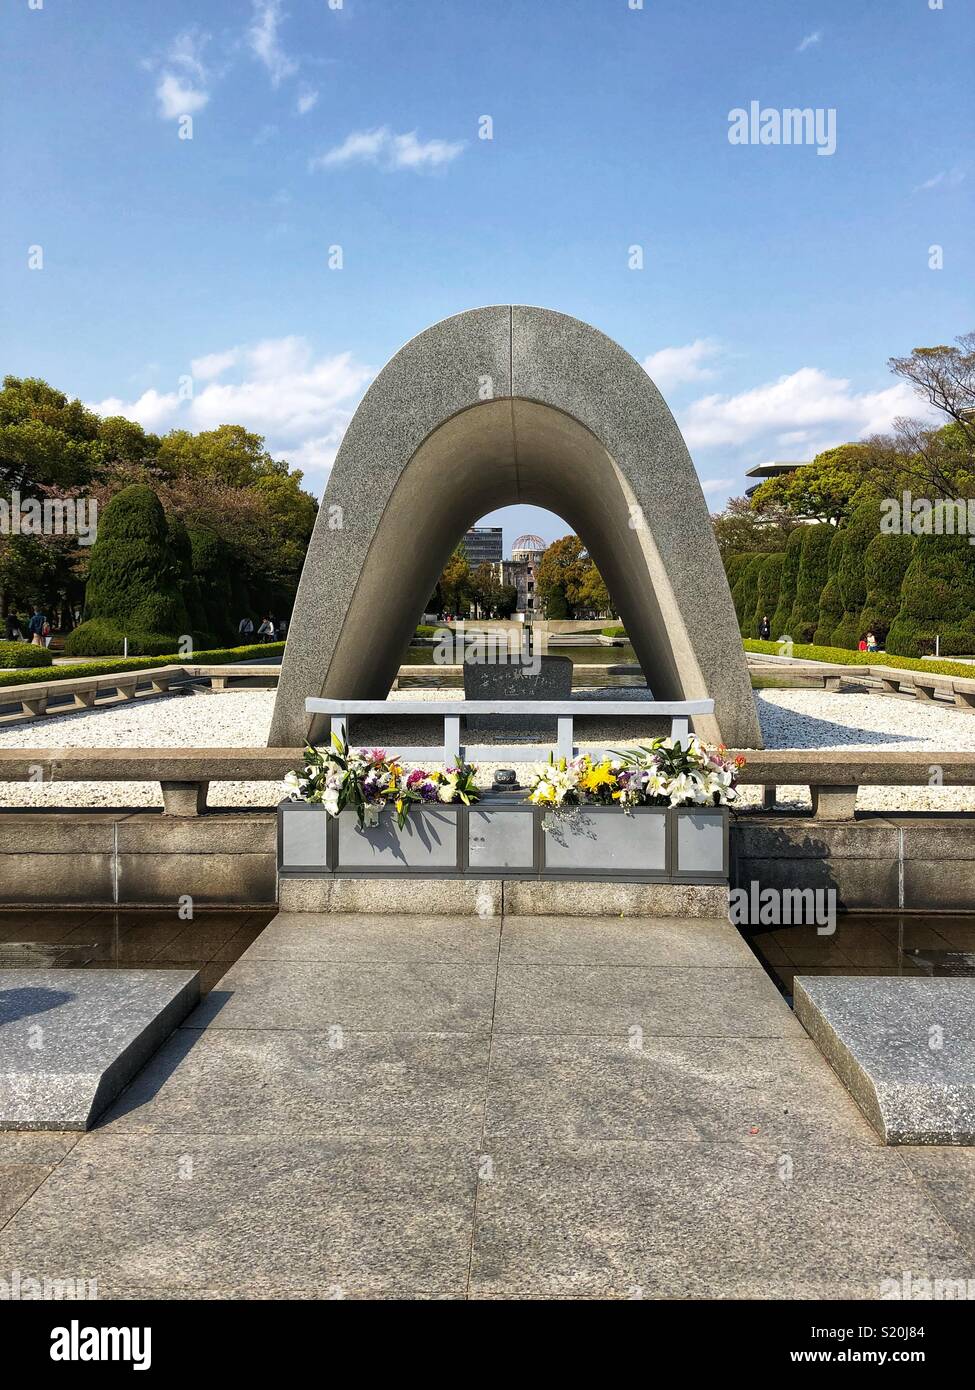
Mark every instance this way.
x=700 y=842
x=302 y=836
x=501 y=839
x=429 y=840
x=603 y=841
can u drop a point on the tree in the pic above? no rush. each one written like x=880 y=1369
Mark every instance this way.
x=455 y=585
x=559 y=577
x=811 y=580
x=228 y=454
x=592 y=593
x=945 y=377
x=823 y=489
x=741 y=530
x=788 y=585
x=486 y=589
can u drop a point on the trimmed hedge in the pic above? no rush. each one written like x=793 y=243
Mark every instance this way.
x=19 y=654
x=937 y=598
x=733 y=567
x=769 y=583
x=613 y=632
x=813 y=573
x=842 y=656
x=863 y=525
x=831 y=602
x=221 y=656
x=98 y=637
x=745 y=593
x=885 y=565
x=788 y=584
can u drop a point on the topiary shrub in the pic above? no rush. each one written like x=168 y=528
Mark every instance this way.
x=745 y=594
x=884 y=565
x=769 y=581
x=100 y=638
x=863 y=525
x=937 y=599
x=733 y=566
x=133 y=576
x=831 y=602
x=18 y=655
x=813 y=572
x=788 y=584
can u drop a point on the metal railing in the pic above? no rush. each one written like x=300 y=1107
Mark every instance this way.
x=451 y=712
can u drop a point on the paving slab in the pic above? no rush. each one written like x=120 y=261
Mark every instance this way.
x=674 y=1090
x=309 y=936
x=192 y=1210
x=630 y=1001
x=71 y=1039
x=623 y=941
x=315 y=996
x=704 y=1221
x=948 y=1175
x=903 y=1046
x=271 y=1082
x=26 y=1159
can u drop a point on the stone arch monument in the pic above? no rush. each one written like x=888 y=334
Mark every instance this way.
x=496 y=406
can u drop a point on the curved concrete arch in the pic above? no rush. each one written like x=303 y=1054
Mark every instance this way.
x=491 y=407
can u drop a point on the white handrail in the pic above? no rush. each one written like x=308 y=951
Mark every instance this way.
x=451 y=711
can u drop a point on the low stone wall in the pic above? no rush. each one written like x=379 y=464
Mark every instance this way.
x=911 y=862
x=899 y=862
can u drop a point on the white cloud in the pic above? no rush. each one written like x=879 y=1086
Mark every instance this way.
x=672 y=366
x=947 y=178
x=214 y=364
x=153 y=410
x=262 y=36
x=389 y=151
x=183 y=85
x=300 y=402
x=307 y=100
x=805 y=404
x=810 y=40
x=721 y=485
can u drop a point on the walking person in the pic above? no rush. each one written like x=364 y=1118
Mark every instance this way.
x=245 y=628
x=765 y=629
x=282 y=629
x=872 y=645
x=38 y=622
x=15 y=632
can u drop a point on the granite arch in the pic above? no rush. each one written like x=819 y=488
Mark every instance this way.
x=491 y=407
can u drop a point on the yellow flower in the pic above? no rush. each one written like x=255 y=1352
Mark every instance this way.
x=599 y=776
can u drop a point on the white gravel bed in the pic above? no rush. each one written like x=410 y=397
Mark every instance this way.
x=241 y=719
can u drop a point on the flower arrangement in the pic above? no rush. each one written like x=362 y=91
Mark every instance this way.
x=663 y=773
x=367 y=780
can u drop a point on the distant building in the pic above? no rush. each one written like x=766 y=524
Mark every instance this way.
x=520 y=572
x=484 y=545
x=769 y=470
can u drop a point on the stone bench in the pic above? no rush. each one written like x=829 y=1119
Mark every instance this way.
x=834 y=776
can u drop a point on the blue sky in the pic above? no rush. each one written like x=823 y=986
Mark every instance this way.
x=775 y=283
